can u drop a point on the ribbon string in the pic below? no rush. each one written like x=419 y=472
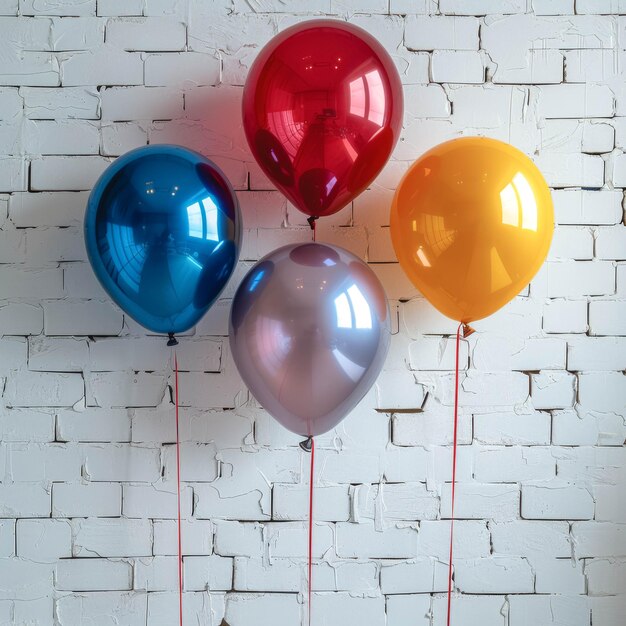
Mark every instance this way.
x=180 y=535
x=310 y=564
x=454 y=450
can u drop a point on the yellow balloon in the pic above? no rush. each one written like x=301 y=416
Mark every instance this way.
x=471 y=224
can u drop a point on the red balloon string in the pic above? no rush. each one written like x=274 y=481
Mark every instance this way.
x=454 y=448
x=311 y=484
x=180 y=535
x=314 y=230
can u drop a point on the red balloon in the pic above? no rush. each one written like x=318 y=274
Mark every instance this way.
x=322 y=111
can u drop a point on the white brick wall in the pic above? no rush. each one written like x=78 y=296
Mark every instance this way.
x=87 y=493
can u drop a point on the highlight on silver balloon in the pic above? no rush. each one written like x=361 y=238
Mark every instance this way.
x=309 y=333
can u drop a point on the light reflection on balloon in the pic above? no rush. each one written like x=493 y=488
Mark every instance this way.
x=309 y=333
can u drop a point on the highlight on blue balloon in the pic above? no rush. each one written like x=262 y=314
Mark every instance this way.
x=163 y=233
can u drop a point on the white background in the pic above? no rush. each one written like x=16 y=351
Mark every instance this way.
x=87 y=497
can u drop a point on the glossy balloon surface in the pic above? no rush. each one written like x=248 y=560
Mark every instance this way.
x=162 y=230
x=471 y=223
x=322 y=111
x=309 y=333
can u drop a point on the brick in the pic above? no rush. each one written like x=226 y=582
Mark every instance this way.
x=244 y=607
x=208 y=572
x=532 y=539
x=63 y=173
x=148 y=33
x=493 y=353
x=13 y=173
x=30 y=68
x=482 y=501
x=26 y=425
x=7 y=538
x=574 y=610
x=33 y=389
x=552 y=390
x=86 y=500
x=598 y=138
x=45 y=103
x=291 y=502
x=409 y=610
x=21 y=319
x=552 y=500
x=105 y=65
x=575 y=101
x=607 y=317
x=573 y=279
x=234 y=538
x=472 y=539
x=609 y=506
x=417 y=576
x=512 y=428
x=111 y=537
x=93 y=575
x=482 y=7
x=398 y=390
x=24 y=500
x=125 y=607
x=121 y=462
x=121 y=104
x=363 y=540
x=124 y=389
x=597 y=539
x=185 y=69
x=197 y=536
x=602 y=391
x=565 y=316
x=26 y=580
x=611 y=243
x=605 y=576
x=47 y=209
x=156 y=501
x=559 y=576
x=159 y=573
x=601 y=353
x=431 y=101
x=403 y=502
x=451 y=66
x=39 y=462
x=439 y=32
x=44 y=540
x=572 y=243
x=587 y=207
x=572 y=170
x=10 y=103
x=433 y=426
x=122 y=137
x=58 y=354
x=511 y=465
x=494 y=575
x=583 y=66
x=580 y=428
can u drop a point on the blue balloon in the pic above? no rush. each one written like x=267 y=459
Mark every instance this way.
x=163 y=232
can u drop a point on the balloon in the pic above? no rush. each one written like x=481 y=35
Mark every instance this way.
x=309 y=332
x=163 y=232
x=322 y=111
x=471 y=223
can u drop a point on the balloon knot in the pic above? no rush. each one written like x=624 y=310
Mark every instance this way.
x=307 y=444
x=468 y=330
x=172 y=341
x=311 y=221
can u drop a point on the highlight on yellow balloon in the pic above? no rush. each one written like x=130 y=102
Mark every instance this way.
x=471 y=223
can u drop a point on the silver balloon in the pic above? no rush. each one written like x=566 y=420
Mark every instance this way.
x=309 y=332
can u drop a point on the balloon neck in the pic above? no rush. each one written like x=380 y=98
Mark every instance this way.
x=171 y=341
x=468 y=330
x=311 y=221
x=307 y=444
